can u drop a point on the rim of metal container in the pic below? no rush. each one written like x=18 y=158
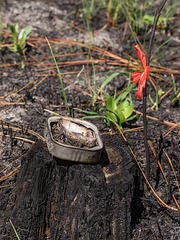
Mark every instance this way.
x=79 y=121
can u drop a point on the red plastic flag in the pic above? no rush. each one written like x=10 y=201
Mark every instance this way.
x=141 y=76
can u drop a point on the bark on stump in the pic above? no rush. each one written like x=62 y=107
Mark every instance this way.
x=68 y=200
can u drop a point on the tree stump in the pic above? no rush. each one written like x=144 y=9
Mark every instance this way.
x=68 y=200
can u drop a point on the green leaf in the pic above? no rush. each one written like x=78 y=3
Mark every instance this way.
x=24 y=34
x=109 y=79
x=127 y=112
x=123 y=105
x=111 y=115
x=178 y=96
x=87 y=112
x=14 y=31
x=120 y=115
x=123 y=95
x=100 y=116
x=47 y=110
x=22 y=64
x=28 y=30
x=134 y=116
x=151 y=100
x=111 y=103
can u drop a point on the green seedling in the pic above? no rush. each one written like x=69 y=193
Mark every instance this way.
x=20 y=39
x=119 y=110
x=116 y=109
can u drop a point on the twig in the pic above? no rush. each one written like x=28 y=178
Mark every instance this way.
x=157 y=14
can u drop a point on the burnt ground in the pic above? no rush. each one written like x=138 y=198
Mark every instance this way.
x=22 y=120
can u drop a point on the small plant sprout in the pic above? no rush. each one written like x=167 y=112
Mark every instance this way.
x=119 y=109
x=20 y=40
x=115 y=109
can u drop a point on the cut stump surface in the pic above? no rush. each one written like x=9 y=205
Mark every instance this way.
x=65 y=200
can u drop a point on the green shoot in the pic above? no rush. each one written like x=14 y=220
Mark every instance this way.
x=177 y=97
x=22 y=64
x=109 y=79
x=120 y=112
x=151 y=100
x=116 y=13
x=24 y=35
x=176 y=90
x=91 y=10
x=14 y=31
x=59 y=74
x=159 y=92
x=109 y=10
x=20 y=40
x=14 y=229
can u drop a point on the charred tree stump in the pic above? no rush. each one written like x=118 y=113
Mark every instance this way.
x=68 y=200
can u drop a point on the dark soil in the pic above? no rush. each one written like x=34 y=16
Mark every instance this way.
x=22 y=121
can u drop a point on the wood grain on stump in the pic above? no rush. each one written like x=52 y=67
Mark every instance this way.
x=65 y=200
